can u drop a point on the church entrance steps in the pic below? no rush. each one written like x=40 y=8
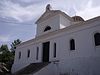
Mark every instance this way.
x=32 y=68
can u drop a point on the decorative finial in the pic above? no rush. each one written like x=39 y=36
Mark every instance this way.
x=48 y=7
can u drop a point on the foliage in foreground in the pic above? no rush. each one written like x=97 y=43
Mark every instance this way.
x=7 y=57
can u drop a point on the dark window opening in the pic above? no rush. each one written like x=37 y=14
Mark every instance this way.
x=19 y=55
x=46 y=48
x=47 y=28
x=72 y=44
x=37 y=53
x=54 y=50
x=28 y=54
x=97 y=39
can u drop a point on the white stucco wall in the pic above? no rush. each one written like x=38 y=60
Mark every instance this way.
x=53 y=22
x=64 y=22
x=84 y=60
x=24 y=60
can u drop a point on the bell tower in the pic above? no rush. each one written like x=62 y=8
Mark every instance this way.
x=48 y=22
x=51 y=20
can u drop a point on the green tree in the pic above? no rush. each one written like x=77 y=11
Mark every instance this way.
x=4 y=48
x=14 y=44
x=6 y=57
x=5 y=54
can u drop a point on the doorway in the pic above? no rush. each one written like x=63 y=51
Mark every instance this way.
x=46 y=46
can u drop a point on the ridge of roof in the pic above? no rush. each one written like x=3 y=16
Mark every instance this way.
x=52 y=13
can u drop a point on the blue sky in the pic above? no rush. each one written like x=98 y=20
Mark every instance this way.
x=17 y=17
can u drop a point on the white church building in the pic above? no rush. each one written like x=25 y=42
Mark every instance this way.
x=63 y=45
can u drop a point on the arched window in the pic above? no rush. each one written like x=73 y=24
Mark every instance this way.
x=47 y=28
x=72 y=44
x=28 y=53
x=97 y=39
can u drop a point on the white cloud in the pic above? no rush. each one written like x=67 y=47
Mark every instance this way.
x=89 y=11
x=18 y=12
x=30 y=12
x=27 y=1
x=31 y=1
x=84 y=8
x=4 y=38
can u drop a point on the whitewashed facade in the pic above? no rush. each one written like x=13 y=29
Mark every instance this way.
x=55 y=30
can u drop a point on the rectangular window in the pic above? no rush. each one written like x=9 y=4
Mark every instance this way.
x=72 y=44
x=54 y=50
x=37 y=53
x=28 y=53
x=97 y=39
x=19 y=55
